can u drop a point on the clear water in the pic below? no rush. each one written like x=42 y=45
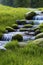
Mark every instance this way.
x=2 y=43
x=38 y=17
x=8 y=36
x=20 y=26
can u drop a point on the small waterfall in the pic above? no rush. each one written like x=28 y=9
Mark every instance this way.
x=38 y=17
x=8 y=36
x=27 y=35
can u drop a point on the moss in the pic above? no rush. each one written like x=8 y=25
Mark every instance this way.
x=29 y=16
x=37 y=28
x=37 y=31
x=22 y=29
x=28 y=26
x=9 y=29
x=39 y=36
x=27 y=29
x=17 y=37
x=15 y=26
x=38 y=42
x=21 y=22
x=41 y=27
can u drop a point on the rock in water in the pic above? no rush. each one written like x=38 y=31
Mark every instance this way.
x=30 y=15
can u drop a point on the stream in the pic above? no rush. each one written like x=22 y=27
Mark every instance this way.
x=7 y=37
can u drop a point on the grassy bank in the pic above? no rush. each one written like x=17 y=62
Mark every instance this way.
x=32 y=54
x=9 y=15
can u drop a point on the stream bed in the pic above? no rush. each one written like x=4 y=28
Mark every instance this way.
x=27 y=36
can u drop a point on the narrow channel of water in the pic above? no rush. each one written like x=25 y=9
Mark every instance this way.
x=29 y=36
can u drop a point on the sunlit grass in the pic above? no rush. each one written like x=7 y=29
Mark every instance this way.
x=32 y=54
x=9 y=15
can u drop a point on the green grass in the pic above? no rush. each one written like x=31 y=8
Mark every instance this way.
x=32 y=54
x=41 y=27
x=40 y=9
x=12 y=45
x=9 y=15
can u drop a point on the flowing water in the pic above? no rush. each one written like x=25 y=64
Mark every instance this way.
x=8 y=36
x=38 y=18
x=26 y=34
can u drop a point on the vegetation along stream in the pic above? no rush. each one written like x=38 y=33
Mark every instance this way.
x=26 y=28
